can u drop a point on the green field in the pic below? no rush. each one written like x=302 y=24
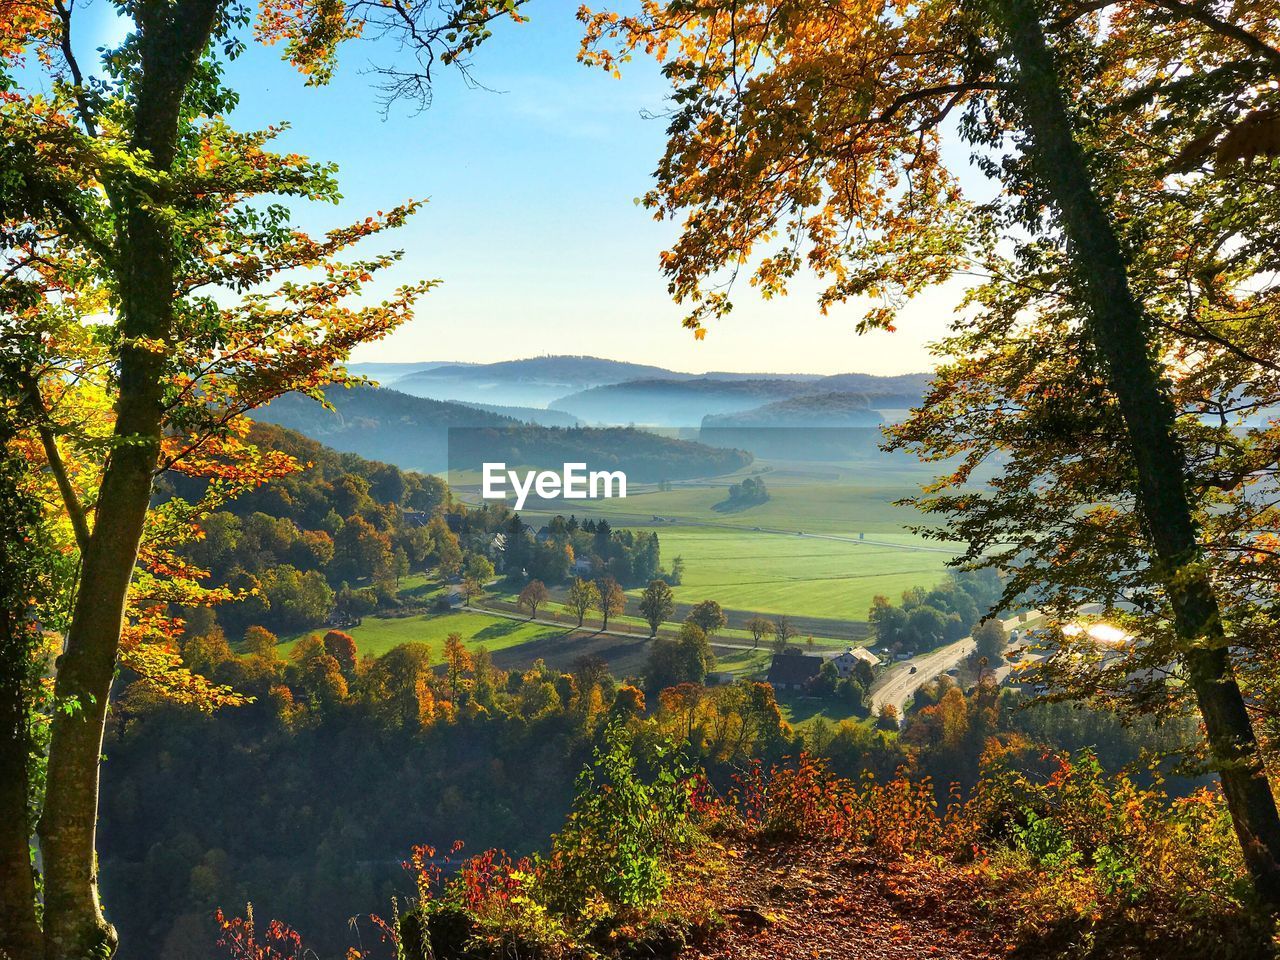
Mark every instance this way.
x=742 y=663
x=800 y=711
x=788 y=574
x=828 y=540
x=377 y=635
x=799 y=501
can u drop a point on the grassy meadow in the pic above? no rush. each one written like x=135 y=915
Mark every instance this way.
x=377 y=635
x=829 y=538
x=794 y=575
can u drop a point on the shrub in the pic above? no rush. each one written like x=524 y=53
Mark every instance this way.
x=607 y=879
x=622 y=831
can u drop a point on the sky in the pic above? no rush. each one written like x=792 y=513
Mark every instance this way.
x=532 y=222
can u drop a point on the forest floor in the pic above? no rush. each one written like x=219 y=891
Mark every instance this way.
x=837 y=902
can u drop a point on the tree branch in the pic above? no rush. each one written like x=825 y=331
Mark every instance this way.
x=84 y=108
x=75 y=511
x=1201 y=14
x=915 y=96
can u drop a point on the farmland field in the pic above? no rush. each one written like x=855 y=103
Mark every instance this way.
x=377 y=635
x=828 y=540
x=515 y=644
x=780 y=574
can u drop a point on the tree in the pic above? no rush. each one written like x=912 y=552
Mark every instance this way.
x=783 y=631
x=887 y=718
x=396 y=686
x=26 y=590
x=342 y=647
x=760 y=628
x=471 y=589
x=260 y=642
x=990 y=641
x=888 y=622
x=1120 y=332
x=323 y=678
x=361 y=552
x=207 y=650
x=612 y=600
x=628 y=703
x=457 y=662
x=686 y=658
x=534 y=595
x=708 y=616
x=864 y=674
x=583 y=597
x=656 y=604
x=479 y=568
x=677 y=570
x=136 y=202
x=1115 y=313
x=296 y=600
x=447 y=551
x=926 y=626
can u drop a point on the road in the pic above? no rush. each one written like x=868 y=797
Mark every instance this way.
x=898 y=684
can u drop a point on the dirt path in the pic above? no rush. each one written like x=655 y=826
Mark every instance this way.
x=811 y=902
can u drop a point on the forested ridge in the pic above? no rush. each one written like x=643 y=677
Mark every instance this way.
x=434 y=436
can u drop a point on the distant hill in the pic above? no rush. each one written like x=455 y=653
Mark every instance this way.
x=684 y=401
x=413 y=433
x=816 y=410
x=824 y=426
x=381 y=424
x=565 y=383
x=538 y=415
x=759 y=375
x=675 y=403
x=533 y=382
x=388 y=373
x=886 y=393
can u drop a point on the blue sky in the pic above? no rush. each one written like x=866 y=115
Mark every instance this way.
x=531 y=221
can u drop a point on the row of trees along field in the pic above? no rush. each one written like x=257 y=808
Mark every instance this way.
x=631 y=557
x=1114 y=367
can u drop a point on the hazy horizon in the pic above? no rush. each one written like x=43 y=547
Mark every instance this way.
x=673 y=367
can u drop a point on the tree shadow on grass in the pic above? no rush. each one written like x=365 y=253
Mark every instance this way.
x=803 y=708
x=499 y=629
x=736 y=506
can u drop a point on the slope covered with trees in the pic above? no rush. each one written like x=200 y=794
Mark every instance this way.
x=674 y=403
x=534 y=381
x=812 y=410
x=433 y=436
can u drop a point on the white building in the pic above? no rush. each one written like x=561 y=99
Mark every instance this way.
x=847 y=662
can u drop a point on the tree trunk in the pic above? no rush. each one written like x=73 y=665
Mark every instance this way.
x=172 y=39
x=1120 y=330
x=20 y=936
x=19 y=930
